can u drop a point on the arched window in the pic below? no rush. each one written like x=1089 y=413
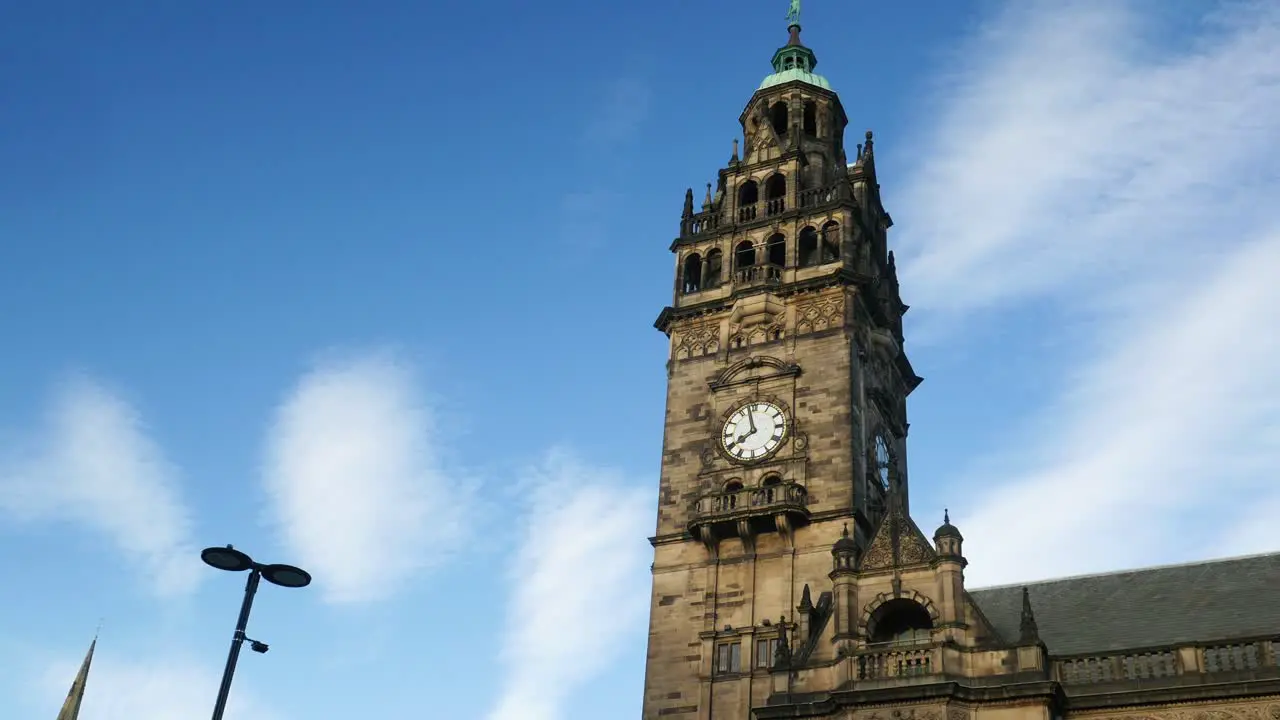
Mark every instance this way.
x=830 y=242
x=769 y=492
x=900 y=620
x=748 y=196
x=692 y=274
x=778 y=118
x=807 y=247
x=811 y=119
x=728 y=499
x=775 y=194
x=713 y=269
x=776 y=250
x=744 y=255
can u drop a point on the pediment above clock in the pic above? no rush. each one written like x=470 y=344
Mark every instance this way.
x=758 y=367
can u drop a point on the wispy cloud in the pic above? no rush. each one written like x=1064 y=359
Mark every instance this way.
x=619 y=111
x=355 y=477
x=579 y=584
x=159 y=689
x=95 y=464
x=1071 y=148
x=1080 y=164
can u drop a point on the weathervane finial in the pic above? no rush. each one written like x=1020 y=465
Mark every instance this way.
x=793 y=14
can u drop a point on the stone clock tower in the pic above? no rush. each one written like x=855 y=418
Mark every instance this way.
x=786 y=416
x=789 y=579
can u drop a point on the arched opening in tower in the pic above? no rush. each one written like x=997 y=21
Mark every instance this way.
x=778 y=117
x=901 y=621
x=775 y=194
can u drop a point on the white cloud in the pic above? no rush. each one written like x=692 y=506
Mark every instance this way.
x=160 y=689
x=1079 y=164
x=579 y=584
x=1069 y=149
x=95 y=464
x=355 y=478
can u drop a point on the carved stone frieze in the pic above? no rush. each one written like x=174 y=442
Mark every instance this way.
x=879 y=554
x=901 y=713
x=696 y=341
x=1269 y=710
x=818 y=315
x=744 y=337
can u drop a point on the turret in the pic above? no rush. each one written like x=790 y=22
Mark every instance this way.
x=844 y=557
x=950 y=563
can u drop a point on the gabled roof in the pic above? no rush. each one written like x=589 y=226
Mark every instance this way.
x=1147 y=608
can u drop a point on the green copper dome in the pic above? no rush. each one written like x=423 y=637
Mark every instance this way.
x=794 y=61
x=787 y=76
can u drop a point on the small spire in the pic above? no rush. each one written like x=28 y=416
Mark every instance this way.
x=946 y=516
x=845 y=531
x=688 y=202
x=806 y=600
x=734 y=158
x=706 y=204
x=1028 y=632
x=71 y=706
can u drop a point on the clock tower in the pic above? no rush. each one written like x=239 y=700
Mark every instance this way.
x=786 y=425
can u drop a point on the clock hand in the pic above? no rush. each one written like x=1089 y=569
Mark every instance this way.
x=751 y=418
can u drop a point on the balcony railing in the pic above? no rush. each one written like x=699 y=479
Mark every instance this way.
x=887 y=663
x=1225 y=658
x=763 y=504
x=711 y=220
x=763 y=274
x=813 y=197
x=703 y=222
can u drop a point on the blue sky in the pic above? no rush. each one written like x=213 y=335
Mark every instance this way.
x=371 y=292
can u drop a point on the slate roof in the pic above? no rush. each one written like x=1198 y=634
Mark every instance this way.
x=1147 y=608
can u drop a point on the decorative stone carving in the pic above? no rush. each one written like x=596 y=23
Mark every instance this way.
x=904 y=713
x=696 y=341
x=818 y=315
x=955 y=712
x=897 y=542
x=914 y=549
x=879 y=554
x=1238 y=711
x=708 y=456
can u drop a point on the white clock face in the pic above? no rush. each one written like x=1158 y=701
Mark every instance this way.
x=754 y=431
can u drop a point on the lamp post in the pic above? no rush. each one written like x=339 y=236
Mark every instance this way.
x=232 y=560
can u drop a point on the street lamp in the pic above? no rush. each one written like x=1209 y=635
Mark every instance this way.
x=232 y=560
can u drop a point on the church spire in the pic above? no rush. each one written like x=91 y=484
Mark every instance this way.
x=71 y=707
